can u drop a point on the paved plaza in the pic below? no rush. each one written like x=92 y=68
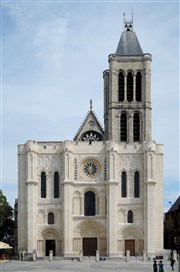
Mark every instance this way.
x=86 y=266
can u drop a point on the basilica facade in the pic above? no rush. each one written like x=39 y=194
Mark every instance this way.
x=102 y=191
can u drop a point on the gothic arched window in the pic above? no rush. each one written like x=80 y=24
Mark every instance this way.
x=123 y=185
x=43 y=185
x=89 y=203
x=51 y=218
x=56 y=185
x=129 y=87
x=130 y=217
x=136 y=184
x=138 y=86
x=121 y=86
x=136 y=128
x=123 y=128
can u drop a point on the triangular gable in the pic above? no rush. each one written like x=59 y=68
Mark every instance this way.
x=90 y=129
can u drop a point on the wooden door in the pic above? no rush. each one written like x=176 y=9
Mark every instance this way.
x=130 y=245
x=89 y=246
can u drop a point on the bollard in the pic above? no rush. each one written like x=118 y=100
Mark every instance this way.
x=50 y=255
x=144 y=256
x=34 y=255
x=81 y=256
x=127 y=255
x=97 y=255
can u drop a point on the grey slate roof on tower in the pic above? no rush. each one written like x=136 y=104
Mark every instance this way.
x=129 y=44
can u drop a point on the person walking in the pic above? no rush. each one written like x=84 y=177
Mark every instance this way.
x=161 y=266
x=155 y=267
x=172 y=264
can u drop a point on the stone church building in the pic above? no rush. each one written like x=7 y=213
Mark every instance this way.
x=102 y=191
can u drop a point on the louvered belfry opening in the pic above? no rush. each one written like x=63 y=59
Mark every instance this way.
x=136 y=128
x=129 y=87
x=138 y=87
x=121 y=87
x=123 y=128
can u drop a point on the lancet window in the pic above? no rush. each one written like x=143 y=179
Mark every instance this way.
x=89 y=203
x=130 y=217
x=123 y=185
x=136 y=184
x=50 y=218
x=43 y=185
x=56 y=185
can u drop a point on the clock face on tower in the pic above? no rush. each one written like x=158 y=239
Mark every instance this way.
x=90 y=168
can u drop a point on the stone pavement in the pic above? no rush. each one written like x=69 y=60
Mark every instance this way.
x=86 y=266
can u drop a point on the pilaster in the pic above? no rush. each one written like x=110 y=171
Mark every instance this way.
x=31 y=198
x=112 y=201
x=67 y=201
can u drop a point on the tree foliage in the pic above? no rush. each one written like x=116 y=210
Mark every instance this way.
x=6 y=220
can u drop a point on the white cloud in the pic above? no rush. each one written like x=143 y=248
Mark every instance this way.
x=50 y=40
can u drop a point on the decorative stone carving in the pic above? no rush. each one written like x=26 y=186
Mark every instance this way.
x=122 y=216
x=90 y=228
x=49 y=162
x=131 y=233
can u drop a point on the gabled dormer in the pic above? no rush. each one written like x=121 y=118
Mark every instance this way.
x=91 y=129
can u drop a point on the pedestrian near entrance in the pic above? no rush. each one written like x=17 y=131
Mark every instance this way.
x=155 y=267
x=172 y=264
x=161 y=266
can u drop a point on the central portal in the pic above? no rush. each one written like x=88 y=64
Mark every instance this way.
x=89 y=246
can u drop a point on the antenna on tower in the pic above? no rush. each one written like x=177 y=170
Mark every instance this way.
x=128 y=24
x=132 y=14
x=90 y=104
x=124 y=15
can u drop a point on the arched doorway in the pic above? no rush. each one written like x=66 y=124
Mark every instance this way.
x=50 y=239
x=131 y=238
x=90 y=236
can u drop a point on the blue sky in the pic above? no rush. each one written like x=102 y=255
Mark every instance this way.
x=53 y=54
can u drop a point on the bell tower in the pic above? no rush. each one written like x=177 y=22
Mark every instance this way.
x=127 y=91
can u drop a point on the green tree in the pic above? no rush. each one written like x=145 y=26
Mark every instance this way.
x=6 y=221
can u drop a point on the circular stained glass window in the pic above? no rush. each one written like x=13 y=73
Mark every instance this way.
x=90 y=168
